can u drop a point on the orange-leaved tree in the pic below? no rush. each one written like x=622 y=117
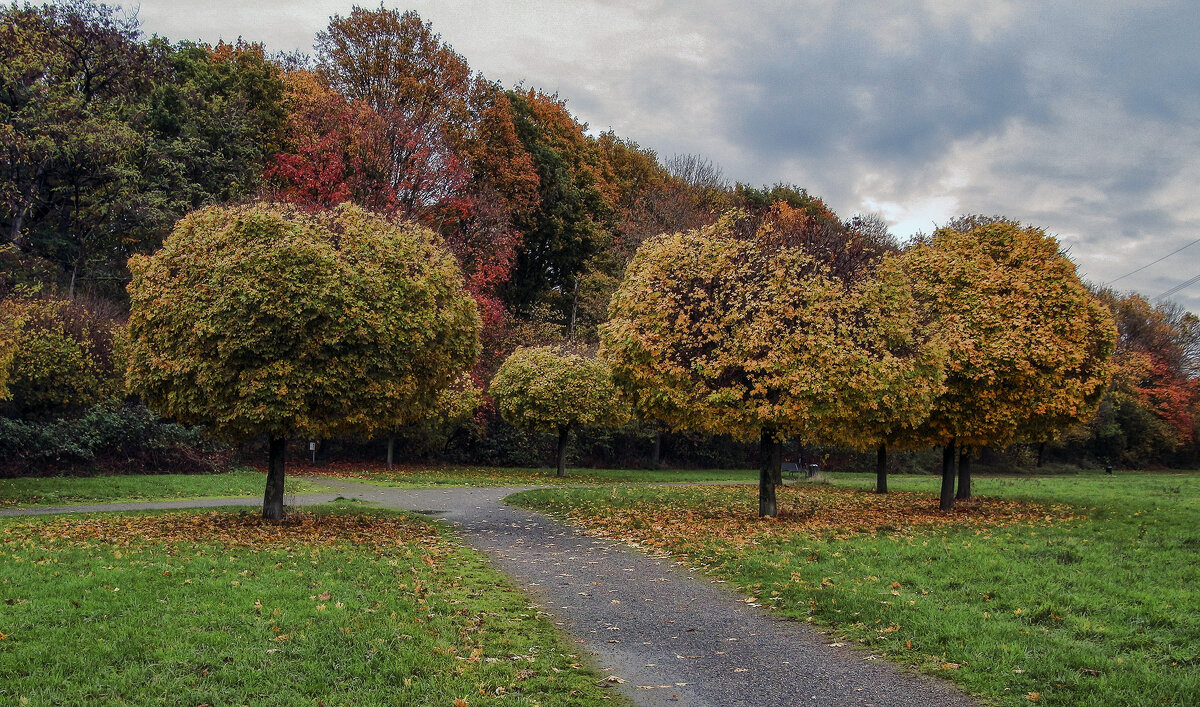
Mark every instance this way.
x=1029 y=346
x=265 y=320
x=545 y=389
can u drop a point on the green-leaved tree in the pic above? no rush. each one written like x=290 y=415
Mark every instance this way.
x=264 y=320
x=544 y=389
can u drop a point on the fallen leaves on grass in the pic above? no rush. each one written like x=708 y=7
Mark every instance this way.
x=374 y=532
x=730 y=514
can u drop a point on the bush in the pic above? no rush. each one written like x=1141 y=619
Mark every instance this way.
x=63 y=360
x=107 y=438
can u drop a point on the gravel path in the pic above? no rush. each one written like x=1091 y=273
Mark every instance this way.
x=671 y=637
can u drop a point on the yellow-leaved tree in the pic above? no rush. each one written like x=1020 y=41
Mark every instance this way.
x=899 y=367
x=548 y=389
x=57 y=356
x=747 y=336
x=1029 y=346
x=263 y=319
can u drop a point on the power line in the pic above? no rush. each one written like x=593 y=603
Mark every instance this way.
x=1183 y=285
x=1131 y=272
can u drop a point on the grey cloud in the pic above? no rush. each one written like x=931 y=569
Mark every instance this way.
x=1082 y=117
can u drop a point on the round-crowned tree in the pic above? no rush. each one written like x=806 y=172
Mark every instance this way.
x=1029 y=347
x=544 y=389
x=731 y=335
x=265 y=320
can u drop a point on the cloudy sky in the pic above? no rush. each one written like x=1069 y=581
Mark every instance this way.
x=1081 y=117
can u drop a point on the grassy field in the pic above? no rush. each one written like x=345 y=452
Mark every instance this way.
x=421 y=476
x=1067 y=590
x=336 y=607
x=66 y=490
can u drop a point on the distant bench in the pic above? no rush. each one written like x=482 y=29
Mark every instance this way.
x=794 y=469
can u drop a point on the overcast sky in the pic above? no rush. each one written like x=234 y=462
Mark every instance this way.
x=1080 y=117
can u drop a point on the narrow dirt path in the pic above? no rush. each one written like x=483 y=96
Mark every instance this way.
x=671 y=637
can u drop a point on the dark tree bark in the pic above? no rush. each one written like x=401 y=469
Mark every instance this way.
x=273 y=499
x=390 y=449
x=564 y=435
x=771 y=459
x=1041 y=454
x=948 y=455
x=881 y=469
x=656 y=450
x=964 y=473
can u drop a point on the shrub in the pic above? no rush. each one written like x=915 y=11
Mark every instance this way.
x=108 y=438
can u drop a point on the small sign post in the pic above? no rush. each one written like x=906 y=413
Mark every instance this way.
x=312 y=447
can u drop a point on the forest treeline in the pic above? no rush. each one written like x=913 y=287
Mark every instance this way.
x=109 y=138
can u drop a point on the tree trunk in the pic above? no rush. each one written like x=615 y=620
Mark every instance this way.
x=656 y=450
x=771 y=459
x=574 y=309
x=947 y=476
x=564 y=434
x=1041 y=455
x=881 y=469
x=391 y=449
x=14 y=231
x=273 y=499
x=964 y=473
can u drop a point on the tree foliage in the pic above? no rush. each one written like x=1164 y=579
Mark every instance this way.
x=60 y=356
x=545 y=389
x=747 y=336
x=266 y=320
x=1029 y=345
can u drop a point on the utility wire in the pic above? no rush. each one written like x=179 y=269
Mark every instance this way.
x=1183 y=285
x=1131 y=272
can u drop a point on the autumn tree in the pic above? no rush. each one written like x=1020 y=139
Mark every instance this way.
x=544 y=389
x=1028 y=345
x=900 y=361
x=331 y=149
x=60 y=355
x=444 y=137
x=571 y=223
x=1150 y=409
x=724 y=334
x=264 y=320
x=420 y=87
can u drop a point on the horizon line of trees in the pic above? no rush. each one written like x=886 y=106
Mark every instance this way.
x=111 y=138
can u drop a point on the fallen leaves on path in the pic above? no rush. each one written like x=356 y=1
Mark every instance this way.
x=372 y=532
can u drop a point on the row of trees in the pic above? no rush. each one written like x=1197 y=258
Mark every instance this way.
x=110 y=139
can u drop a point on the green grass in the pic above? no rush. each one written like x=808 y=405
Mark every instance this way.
x=221 y=608
x=416 y=477
x=1099 y=611
x=68 y=490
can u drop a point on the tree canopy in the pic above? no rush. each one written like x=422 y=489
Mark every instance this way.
x=1029 y=346
x=734 y=335
x=547 y=389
